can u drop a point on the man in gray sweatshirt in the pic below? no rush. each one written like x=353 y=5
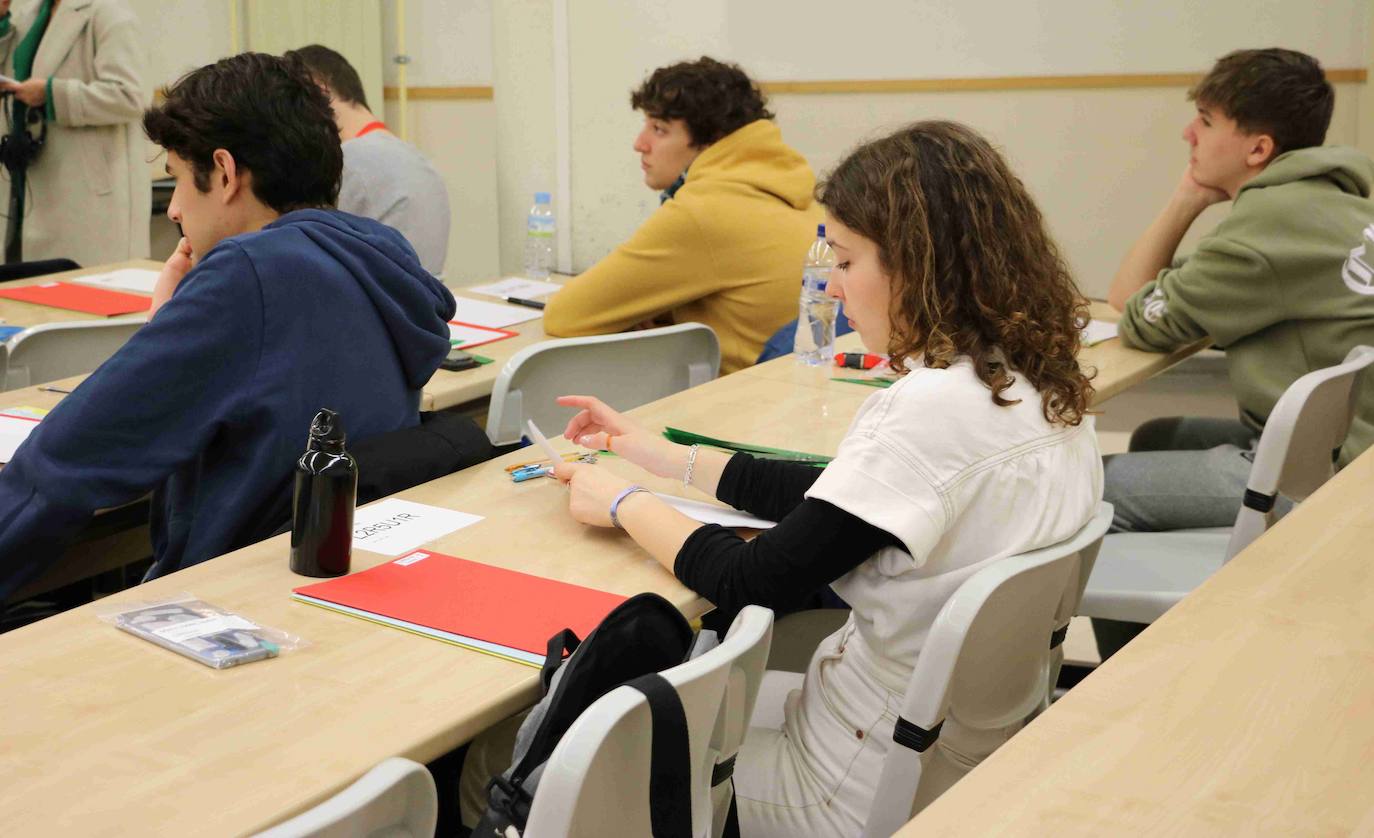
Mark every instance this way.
x=384 y=177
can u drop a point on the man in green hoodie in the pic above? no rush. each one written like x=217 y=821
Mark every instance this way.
x=1283 y=284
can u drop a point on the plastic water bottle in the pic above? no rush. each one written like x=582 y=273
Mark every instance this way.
x=539 y=238
x=322 y=506
x=815 y=340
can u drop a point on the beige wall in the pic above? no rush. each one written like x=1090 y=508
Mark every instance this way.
x=1099 y=161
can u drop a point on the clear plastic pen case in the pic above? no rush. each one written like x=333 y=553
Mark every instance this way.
x=201 y=631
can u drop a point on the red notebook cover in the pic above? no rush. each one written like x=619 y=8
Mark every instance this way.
x=475 y=600
x=79 y=298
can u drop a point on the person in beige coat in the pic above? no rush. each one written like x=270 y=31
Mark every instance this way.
x=89 y=189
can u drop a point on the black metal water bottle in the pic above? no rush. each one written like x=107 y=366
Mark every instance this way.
x=322 y=508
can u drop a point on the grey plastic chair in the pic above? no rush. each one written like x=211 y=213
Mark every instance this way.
x=1139 y=576
x=396 y=799
x=624 y=370
x=50 y=351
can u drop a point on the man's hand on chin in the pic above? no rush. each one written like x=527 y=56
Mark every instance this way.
x=173 y=272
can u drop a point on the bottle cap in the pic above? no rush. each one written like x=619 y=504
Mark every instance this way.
x=326 y=431
x=541 y=198
x=820 y=231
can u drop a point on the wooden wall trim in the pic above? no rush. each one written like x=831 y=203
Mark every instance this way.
x=990 y=83
x=449 y=93
x=993 y=83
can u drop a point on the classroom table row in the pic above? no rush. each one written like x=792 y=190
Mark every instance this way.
x=446 y=389
x=158 y=744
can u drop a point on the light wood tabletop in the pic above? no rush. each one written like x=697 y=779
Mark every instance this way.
x=17 y=313
x=104 y=733
x=1244 y=710
x=1116 y=367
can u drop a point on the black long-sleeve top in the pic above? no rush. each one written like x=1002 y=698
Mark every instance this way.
x=813 y=544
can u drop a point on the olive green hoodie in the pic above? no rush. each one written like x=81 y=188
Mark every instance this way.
x=1285 y=284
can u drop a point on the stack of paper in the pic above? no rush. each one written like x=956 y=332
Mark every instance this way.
x=140 y=280
x=492 y=315
x=394 y=526
x=515 y=286
x=16 y=423
x=1097 y=331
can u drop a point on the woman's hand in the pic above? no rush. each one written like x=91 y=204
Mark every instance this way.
x=598 y=426
x=173 y=272
x=592 y=490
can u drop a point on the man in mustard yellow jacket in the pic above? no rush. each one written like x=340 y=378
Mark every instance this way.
x=727 y=245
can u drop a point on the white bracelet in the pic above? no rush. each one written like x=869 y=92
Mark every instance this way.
x=691 y=464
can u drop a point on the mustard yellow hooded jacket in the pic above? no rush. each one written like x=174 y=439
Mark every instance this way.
x=726 y=251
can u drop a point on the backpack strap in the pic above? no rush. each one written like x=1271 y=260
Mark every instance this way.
x=670 y=776
x=564 y=641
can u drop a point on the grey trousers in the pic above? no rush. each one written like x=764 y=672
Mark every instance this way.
x=1180 y=473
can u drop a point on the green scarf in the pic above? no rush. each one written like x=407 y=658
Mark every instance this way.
x=23 y=59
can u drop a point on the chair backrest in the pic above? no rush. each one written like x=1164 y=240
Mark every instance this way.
x=41 y=267
x=624 y=370
x=752 y=629
x=1302 y=437
x=982 y=667
x=1085 y=544
x=395 y=799
x=50 y=351
x=596 y=782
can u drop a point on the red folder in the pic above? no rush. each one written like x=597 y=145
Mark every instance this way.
x=79 y=298
x=457 y=600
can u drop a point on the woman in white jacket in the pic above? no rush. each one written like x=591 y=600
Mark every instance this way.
x=79 y=66
x=981 y=450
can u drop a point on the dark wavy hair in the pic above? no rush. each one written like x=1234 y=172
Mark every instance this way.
x=1273 y=91
x=332 y=70
x=973 y=270
x=269 y=114
x=712 y=97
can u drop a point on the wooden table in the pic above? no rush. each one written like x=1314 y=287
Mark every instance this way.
x=1117 y=367
x=17 y=313
x=104 y=733
x=1244 y=710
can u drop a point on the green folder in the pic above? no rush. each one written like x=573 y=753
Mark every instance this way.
x=867 y=382
x=682 y=437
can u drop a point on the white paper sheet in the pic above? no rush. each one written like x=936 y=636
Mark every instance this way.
x=709 y=513
x=464 y=336
x=138 y=280
x=515 y=286
x=1098 y=331
x=393 y=526
x=13 y=431
x=493 y=315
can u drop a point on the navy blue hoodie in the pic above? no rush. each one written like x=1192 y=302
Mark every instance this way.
x=209 y=404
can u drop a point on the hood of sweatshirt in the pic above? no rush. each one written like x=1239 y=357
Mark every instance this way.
x=756 y=156
x=1350 y=170
x=414 y=306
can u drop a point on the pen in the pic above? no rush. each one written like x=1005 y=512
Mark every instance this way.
x=55 y=390
x=523 y=302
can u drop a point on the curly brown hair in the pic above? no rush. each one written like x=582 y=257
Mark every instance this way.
x=712 y=97
x=973 y=270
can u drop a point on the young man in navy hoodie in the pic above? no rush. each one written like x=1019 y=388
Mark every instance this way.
x=273 y=306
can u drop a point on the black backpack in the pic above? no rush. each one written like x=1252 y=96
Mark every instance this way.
x=639 y=638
